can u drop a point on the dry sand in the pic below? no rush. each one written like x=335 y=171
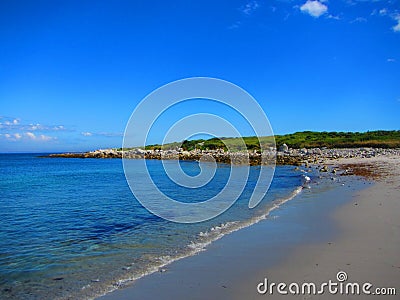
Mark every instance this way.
x=307 y=243
x=368 y=246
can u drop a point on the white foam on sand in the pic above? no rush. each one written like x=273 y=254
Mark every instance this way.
x=204 y=240
x=217 y=232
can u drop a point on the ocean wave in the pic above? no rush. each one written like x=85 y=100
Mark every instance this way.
x=217 y=232
x=202 y=240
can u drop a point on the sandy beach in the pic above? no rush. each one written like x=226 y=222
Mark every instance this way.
x=199 y=150
x=353 y=230
x=366 y=247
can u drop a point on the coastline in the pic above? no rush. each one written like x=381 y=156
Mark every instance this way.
x=367 y=245
x=304 y=240
x=273 y=156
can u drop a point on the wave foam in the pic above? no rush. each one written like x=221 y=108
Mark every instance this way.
x=204 y=239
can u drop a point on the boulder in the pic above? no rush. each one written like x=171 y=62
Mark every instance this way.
x=317 y=151
x=324 y=169
x=283 y=148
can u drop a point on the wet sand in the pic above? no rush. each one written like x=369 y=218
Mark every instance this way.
x=367 y=246
x=352 y=228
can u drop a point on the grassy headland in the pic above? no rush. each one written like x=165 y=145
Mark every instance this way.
x=305 y=139
x=301 y=147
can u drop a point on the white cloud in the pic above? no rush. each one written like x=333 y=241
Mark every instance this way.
x=333 y=17
x=394 y=14
x=44 y=127
x=390 y=60
x=110 y=134
x=35 y=127
x=14 y=124
x=46 y=138
x=250 y=7
x=27 y=136
x=314 y=8
x=359 y=20
x=87 y=133
x=235 y=25
x=105 y=134
x=10 y=137
x=396 y=28
x=383 y=12
x=11 y=122
x=40 y=137
x=30 y=135
x=59 y=127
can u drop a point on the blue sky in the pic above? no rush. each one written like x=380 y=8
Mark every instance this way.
x=72 y=72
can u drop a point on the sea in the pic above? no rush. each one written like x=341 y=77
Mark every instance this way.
x=71 y=228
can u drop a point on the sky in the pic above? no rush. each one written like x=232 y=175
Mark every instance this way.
x=72 y=72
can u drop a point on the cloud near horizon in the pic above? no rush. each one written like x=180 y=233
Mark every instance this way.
x=105 y=134
x=27 y=136
x=7 y=123
x=11 y=129
x=86 y=133
x=14 y=130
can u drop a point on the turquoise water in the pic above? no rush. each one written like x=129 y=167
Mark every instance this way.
x=71 y=228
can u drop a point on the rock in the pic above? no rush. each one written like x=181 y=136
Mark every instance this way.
x=284 y=156
x=318 y=151
x=324 y=169
x=283 y=148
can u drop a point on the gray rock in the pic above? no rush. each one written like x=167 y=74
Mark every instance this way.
x=283 y=148
x=318 y=151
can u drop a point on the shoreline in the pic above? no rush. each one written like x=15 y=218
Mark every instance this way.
x=199 y=247
x=235 y=245
x=272 y=156
x=368 y=242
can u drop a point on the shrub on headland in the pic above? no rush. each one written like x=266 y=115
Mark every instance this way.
x=305 y=139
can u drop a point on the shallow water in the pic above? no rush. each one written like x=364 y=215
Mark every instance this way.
x=72 y=228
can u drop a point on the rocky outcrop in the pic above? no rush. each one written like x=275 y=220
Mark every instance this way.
x=283 y=148
x=289 y=156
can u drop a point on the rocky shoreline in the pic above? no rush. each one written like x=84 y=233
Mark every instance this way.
x=282 y=156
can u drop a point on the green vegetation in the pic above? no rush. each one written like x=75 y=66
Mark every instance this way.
x=305 y=139
x=310 y=139
x=234 y=144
